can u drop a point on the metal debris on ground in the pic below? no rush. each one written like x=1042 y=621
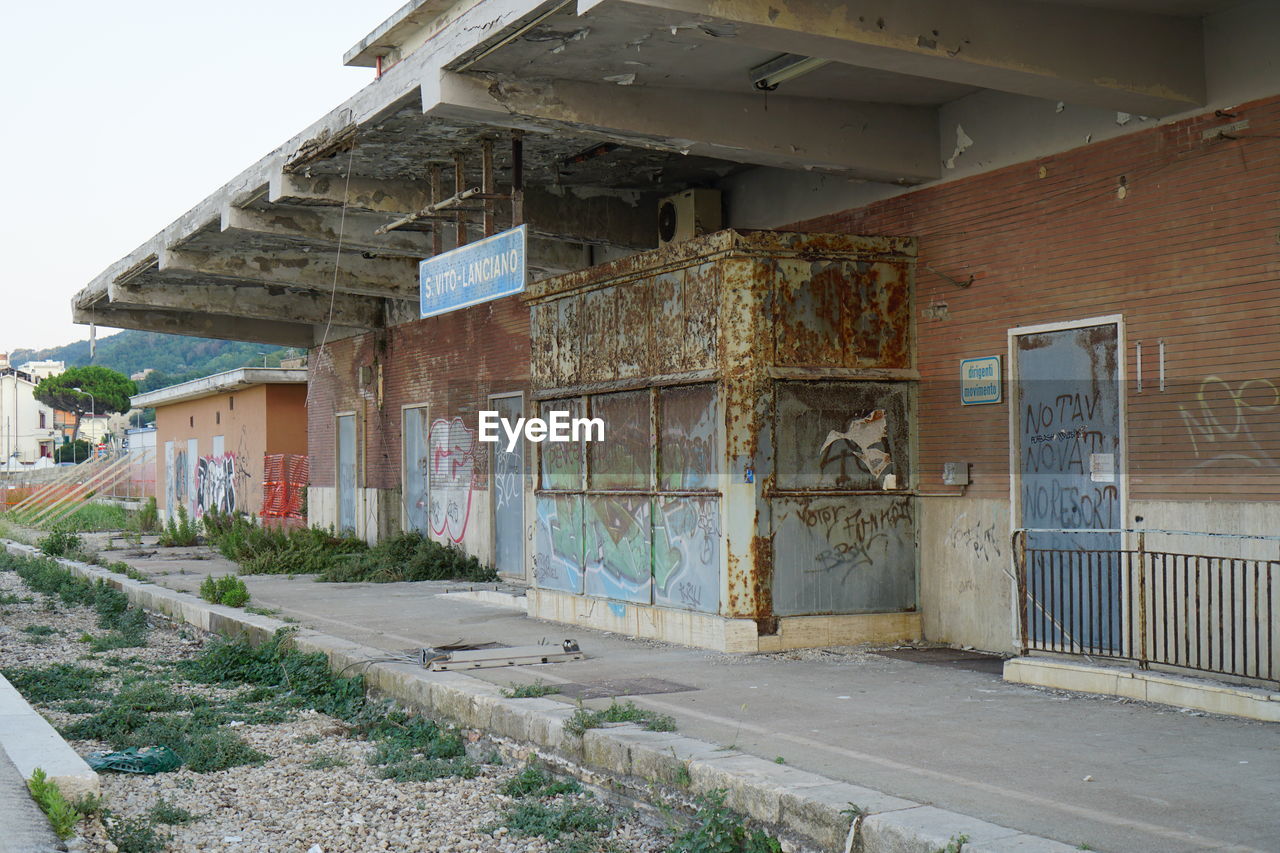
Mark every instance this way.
x=440 y=660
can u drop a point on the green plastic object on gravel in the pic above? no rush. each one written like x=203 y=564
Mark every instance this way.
x=147 y=760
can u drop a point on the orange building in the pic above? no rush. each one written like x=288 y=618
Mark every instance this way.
x=232 y=442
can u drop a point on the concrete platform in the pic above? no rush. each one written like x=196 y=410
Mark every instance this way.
x=1177 y=690
x=1108 y=773
x=30 y=742
x=23 y=827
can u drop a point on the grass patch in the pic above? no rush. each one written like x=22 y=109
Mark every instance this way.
x=55 y=682
x=135 y=834
x=228 y=590
x=408 y=556
x=536 y=690
x=535 y=781
x=128 y=624
x=624 y=712
x=717 y=829
x=170 y=814
x=39 y=630
x=62 y=816
x=96 y=517
x=571 y=824
x=327 y=762
x=413 y=749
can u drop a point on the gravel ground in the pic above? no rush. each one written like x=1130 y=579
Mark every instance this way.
x=284 y=804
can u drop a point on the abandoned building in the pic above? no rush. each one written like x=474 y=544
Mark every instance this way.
x=884 y=314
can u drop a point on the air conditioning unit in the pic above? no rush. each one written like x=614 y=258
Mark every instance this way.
x=688 y=214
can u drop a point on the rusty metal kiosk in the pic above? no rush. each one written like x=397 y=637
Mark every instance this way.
x=754 y=488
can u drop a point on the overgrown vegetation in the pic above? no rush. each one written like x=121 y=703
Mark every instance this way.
x=92 y=517
x=63 y=816
x=536 y=690
x=61 y=542
x=135 y=834
x=180 y=531
x=556 y=809
x=274 y=550
x=146 y=519
x=409 y=556
x=127 y=626
x=717 y=829
x=625 y=712
x=228 y=590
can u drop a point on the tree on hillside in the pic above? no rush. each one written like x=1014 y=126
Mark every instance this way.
x=88 y=390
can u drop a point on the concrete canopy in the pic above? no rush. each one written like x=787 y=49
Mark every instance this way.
x=620 y=102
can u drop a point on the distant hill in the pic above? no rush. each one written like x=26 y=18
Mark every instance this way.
x=174 y=358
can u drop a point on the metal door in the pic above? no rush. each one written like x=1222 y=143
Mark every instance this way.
x=417 y=467
x=193 y=460
x=508 y=492
x=346 y=473
x=1067 y=411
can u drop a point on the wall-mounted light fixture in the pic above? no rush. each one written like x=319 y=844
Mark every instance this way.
x=767 y=76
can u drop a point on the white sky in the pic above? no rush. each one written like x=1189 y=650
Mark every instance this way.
x=117 y=117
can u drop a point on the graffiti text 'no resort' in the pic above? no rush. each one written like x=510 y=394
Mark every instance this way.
x=558 y=427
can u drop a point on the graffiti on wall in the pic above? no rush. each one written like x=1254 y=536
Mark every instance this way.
x=863 y=443
x=1237 y=422
x=454 y=468
x=179 y=489
x=843 y=554
x=616 y=556
x=557 y=543
x=216 y=483
x=686 y=553
x=976 y=537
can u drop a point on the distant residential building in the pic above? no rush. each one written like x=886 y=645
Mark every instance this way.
x=142 y=374
x=232 y=442
x=28 y=428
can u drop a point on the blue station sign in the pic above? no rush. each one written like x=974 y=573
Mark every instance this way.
x=980 y=381
x=477 y=272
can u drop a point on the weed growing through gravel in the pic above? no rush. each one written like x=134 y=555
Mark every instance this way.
x=57 y=681
x=128 y=625
x=536 y=690
x=534 y=781
x=327 y=762
x=61 y=542
x=409 y=556
x=625 y=712
x=134 y=834
x=169 y=814
x=717 y=829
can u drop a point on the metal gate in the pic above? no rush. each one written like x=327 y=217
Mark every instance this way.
x=1066 y=407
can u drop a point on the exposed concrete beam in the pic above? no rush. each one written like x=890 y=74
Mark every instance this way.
x=1131 y=61
x=882 y=142
x=250 y=301
x=321 y=226
x=364 y=194
x=391 y=278
x=628 y=223
x=281 y=333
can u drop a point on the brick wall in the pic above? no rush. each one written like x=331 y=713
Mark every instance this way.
x=1178 y=234
x=451 y=362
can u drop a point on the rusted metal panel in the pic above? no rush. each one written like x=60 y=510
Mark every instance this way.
x=700 y=335
x=842 y=435
x=668 y=322
x=622 y=460
x=560 y=463
x=843 y=554
x=633 y=330
x=688 y=441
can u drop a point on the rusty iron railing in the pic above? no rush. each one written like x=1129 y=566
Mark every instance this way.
x=1111 y=596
